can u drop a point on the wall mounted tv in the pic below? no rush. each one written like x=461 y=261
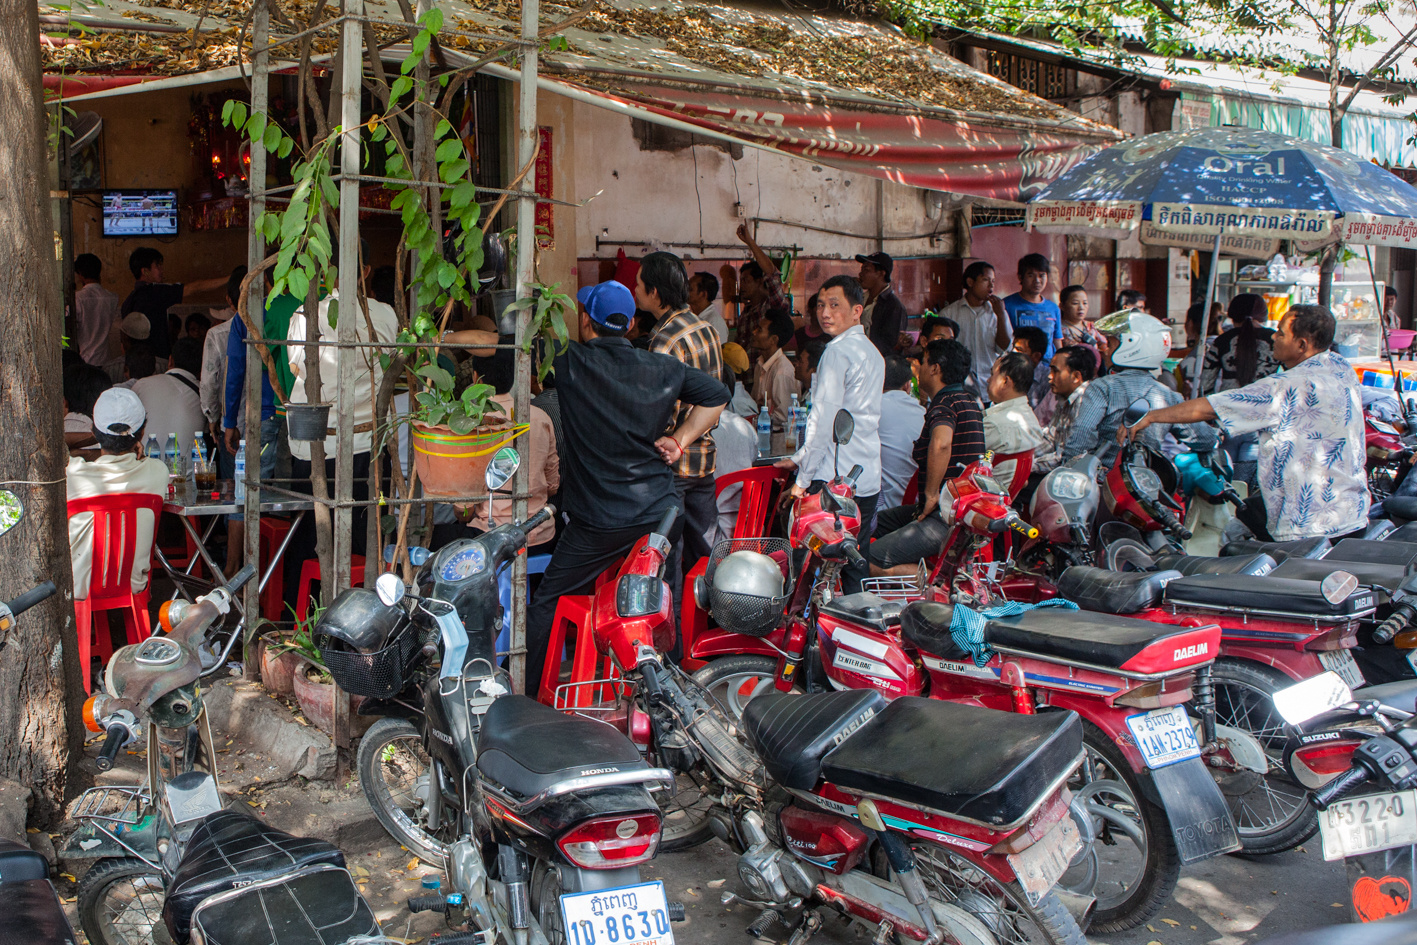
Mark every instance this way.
x=134 y=213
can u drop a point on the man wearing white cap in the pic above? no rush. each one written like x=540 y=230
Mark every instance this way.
x=118 y=423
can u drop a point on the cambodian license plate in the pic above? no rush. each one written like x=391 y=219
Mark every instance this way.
x=629 y=915
x=1368 y=824
x=1164 y=736
x=1343 y=663
x=1040 y=866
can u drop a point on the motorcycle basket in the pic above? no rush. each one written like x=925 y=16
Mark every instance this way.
x=749 y=614
x=377 y=675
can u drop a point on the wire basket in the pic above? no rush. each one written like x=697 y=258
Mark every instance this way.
x=377 y=675
x=900 y=589
x=749 y=614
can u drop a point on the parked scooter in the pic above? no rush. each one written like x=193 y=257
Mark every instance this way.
x=534 y=813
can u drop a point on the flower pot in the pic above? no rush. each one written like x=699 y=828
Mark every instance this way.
x=278 y=668
x=307 y=422
x=317 y=701
x=451 y=464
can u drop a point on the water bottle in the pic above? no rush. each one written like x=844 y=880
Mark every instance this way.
x=196 y=460
x=241 y=472
x=801 y=423
x=764 y=432
x=172 y=457
x=150 y=449
x=792 y=438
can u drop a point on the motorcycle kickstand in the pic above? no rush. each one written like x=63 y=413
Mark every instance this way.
x=810 y=925
x=791 y=905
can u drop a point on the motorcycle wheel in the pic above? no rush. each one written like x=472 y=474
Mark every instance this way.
x=1137 y=862
x=396 y=774
x=1271 y=812
x=546 y=901
x=1003 y=908
x=120 y=903
x=733 y=680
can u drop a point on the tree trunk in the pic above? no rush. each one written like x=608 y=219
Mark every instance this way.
x=38 y=725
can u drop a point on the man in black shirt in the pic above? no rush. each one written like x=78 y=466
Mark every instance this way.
x=153 y=298
x=885 y=314
x=616 y=482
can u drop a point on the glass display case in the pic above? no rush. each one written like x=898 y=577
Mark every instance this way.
x=1354 y=304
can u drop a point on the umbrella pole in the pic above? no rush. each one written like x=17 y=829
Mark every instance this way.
x=1205 y=318
x=1382 y=325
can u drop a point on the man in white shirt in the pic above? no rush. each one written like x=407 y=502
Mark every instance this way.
x=172 y=400
x=705 y=303
x=736 y=442
x=95 y=312
x=119 y=423
x=213 y=380
x=983 y=324
x=1010 y=425
x=850 y=377
x=902 y=418
x=775 y=382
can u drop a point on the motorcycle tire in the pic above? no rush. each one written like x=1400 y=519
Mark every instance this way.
x=1244 y=700
x=736 y=676
x=1161 y=868
x=388 y=741
x=133 y=919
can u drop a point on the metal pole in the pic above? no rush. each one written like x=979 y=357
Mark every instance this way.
x=256 y=305
x=521 y=388
x=1205 y=318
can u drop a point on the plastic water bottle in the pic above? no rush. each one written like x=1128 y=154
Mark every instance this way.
x=150 y=449
x=196 y=460
x=172 y=457
x=792 y=437
x=801 y=423
x=240 y=492
x=764 y=432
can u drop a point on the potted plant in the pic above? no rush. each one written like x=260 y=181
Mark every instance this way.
x=278 y=661
x=314 y=687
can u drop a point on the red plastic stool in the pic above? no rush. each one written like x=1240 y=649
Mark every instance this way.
x=273 y=532
x=572 y=611
x=310 y=573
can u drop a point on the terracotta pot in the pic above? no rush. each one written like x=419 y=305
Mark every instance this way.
x=317 y=701
x=450 y=464
x=278 y=670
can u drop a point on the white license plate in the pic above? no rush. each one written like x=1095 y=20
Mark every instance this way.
x=1412 y=660
x=1368 y=824
x=1041 y=865
x=1343 y=663
x=1164 y=736
x=629 y=915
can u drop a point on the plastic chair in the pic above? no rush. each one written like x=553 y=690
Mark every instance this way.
x=1023 y=466
x=310 y=573
x=912 y=490
x=273 y=532
x=535 y=564
x=575 y=618
x=115 y=530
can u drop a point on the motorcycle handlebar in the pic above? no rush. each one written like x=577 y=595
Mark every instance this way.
x=117 y=737
x=1401 y=616
x=241 y=577
x=666 y=523
x=854 y=474
x=853 y=554
x=1339 y=786
x=533 y=523
x=31 y=597
x=1169 y=522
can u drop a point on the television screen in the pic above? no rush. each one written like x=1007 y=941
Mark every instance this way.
x=140 y=213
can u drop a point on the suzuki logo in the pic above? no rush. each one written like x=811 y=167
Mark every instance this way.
x=1186 y=652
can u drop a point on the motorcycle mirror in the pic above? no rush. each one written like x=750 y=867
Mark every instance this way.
x=504 y=465
x=1337 y=586
x=1313 y=697
x=842 y=427
x=390 y=589
x=1135 y=411
x=12 y=510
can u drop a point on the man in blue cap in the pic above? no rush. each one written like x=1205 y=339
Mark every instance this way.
x=616 y=402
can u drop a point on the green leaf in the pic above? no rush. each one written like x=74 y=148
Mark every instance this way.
x=238 y=114
x=226 y=111
x=463 y=425
x=451 y=171
x=433 y=20
x=437 y=376
x=420 y=42
x=449 y=150
x=271 y=140
x=299 y=283
x=462 y=195
x=447 y=275
x=286 y=145
x=443 y=128
x=256 y=127
x=334 y=313
x=400 y=87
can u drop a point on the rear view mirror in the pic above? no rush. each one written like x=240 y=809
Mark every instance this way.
x=1311 y=698
x=11 y=510
x=1135 y=411
x=503 y=466
x=842 y=427
x=390 y=589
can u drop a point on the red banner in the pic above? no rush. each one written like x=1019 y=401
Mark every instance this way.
x=545 y=219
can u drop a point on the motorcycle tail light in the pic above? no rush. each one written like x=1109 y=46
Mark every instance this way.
x=1316 y=765
x=608 y=843
x=1339 y=638
x=1158 y=693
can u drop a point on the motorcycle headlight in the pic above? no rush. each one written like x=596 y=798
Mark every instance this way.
x=1068 y=484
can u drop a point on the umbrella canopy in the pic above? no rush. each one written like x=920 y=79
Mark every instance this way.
x=1239 y=183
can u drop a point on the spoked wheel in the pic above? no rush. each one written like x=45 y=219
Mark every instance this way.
x=1133 y=864
x=734 y=680
x=684 y=806
x=1271 y=811
x=1003 y=908
x=546 y=901
x=120 y=903
x=397 y=777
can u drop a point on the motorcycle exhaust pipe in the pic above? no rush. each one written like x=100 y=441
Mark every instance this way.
x=1080 y=907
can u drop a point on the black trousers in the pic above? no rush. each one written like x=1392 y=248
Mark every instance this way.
x=582 y=553
x=302 y=544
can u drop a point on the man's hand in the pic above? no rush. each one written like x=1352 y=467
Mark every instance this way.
x=233 y=437
x=669 y=449
x=998 y=306
x=931 y=504
x=1126 y=434
x=744 y=235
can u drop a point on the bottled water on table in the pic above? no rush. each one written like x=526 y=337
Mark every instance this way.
x=764 y=432
x=240 y=473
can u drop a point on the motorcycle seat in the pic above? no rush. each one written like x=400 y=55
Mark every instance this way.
x=18 y=862
x=1368 y=551
x=1401 y=508
x=527 y=747
x=1099 y=639
x=32 y=913
x=866 y=609
x=1282 y=591
x=1253 y=565
x=230 y=849
x=978 y=764
x=1406 y=532
x=926 y=625
x=792 y=733
x=1113 y=592
x=1386 y=576
x=1279 y=550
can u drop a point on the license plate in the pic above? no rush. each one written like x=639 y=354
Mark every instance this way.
x=1368 y=824
x=1041 y=865
x=1343 y=663
x=629 y=915
x=1412 y=660
x=1164 y=736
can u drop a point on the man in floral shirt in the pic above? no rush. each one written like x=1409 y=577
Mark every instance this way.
x=1310 y=423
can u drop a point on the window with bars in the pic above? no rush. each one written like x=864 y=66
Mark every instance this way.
x=1048 y=80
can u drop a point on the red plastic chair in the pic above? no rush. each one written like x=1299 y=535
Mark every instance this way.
x=1023 y=466
x=273 y=532
x=574 y=623
x=912 y=490
x=115 y=531
x=310 y=573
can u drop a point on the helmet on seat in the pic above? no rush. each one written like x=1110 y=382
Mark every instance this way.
x=1143 y=342
x=746 y=590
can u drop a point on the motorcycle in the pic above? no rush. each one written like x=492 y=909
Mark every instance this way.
x=171 y=864
x=541 y=820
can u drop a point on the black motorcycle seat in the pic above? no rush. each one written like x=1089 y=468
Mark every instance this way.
x=1406 y=532
x=1401 y=508
x=1099 y=639
x=1254 y=565
x=792 y=733
x=979 y=764
x=1113 y=592
x=32 y=913
x=1279 y=550
x=1386 y=576
x=926 y=625
x=527 y=747
x=230 y=849
x=1291 y=588
x=866 y=609
x=19 y=863
x=1368 y=551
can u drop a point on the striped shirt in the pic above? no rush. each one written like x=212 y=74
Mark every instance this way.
x=956 y=408
x=693 y=341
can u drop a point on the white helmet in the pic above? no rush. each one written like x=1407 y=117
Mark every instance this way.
x=1144 y=341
